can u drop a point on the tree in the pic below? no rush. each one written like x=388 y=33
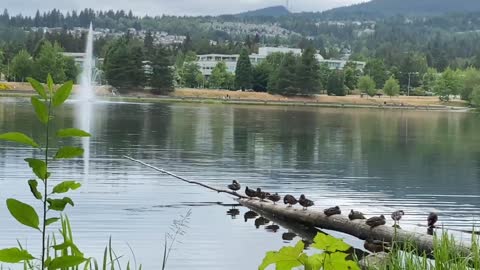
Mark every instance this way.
x=475 y=96
x=22 y=66
x=336 y=83
x=220 y=77
x=162 y=75
x=412 y=69
x=367 y=85
x=243 y=72
x=391 y=87
x=190 y=73
x=351 y=75
x=471 y=80
x=429 y=80
x=148 y=43
x=377 y=71
x=308 y=75
x=261 y=74
x=448 y=84
x=70 y=68
x=284 y=80
x=50 y=61
x=324 y=74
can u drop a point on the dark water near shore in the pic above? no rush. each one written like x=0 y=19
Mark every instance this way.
x=371 y=160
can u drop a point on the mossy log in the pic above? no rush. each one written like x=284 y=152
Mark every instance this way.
x=424 y=243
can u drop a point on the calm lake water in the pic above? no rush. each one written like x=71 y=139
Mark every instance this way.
x=375 y=161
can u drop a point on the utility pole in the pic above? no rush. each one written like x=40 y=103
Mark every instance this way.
x=409 y=81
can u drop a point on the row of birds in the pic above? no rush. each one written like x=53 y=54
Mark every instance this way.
x=290 y=200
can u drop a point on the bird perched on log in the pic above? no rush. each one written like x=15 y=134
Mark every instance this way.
x=274 y=197
x=303 y=201
x=376 y=246
x=432 y=219
x=250 y=215
x=290 y=200
x=234 y=186
x=376 y=221
x=396 y=216
x=260 y=194
x=355 y=215
x=332 y=211
x=250 y=192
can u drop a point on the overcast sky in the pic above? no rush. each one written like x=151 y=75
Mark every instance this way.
x=173 y=7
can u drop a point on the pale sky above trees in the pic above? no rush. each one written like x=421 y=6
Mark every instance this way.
x=171 y=7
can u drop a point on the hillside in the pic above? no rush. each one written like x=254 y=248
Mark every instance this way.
x=406 y=7
x=275 y=11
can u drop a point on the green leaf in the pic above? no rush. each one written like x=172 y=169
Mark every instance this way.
x=14 y=255
x=338 y=261
x=51 y=221
x=38 y=87
x=62 y=246
x=38 y=166
x=33 y=184
x=69 y=152
x=329 y=243
x=23 y=213
x=66 y=186
x=40 y=109
x=50 y=82
x=65 y=262
x=62 y=93
x=286 y=258
x=18 y=138
x=315 y=261
x=72 y=132
x=59 y=204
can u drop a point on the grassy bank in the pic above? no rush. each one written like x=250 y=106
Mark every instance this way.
x=256 y=98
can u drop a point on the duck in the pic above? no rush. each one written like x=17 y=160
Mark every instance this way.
x=355 y=215
x=303 y=201
x=260 y=194
x=288 y=236
x=396 y=216
x=272 y=228
x=376 y=246
x=233 y=212
x=332 y=211
x=261 y=221
x=376 y=221
x=274 y=197
x=290 y=200
x=432 y=219
x=250 y=192
x=249 y=215
x=234 y=186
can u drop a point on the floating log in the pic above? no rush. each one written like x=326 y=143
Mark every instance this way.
x=423 y=242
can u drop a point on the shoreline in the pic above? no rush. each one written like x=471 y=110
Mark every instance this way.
x=301 y=102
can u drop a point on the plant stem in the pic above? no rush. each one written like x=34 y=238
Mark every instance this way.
x=45 y=184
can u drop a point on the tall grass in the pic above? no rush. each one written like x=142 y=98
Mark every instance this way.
x=446 y=256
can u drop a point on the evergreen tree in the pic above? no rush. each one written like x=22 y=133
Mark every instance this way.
x=377 y=70
x=391 y=87
x=243 y=73
x=22 y=66
x=70 y=68
x=308 y=73
x=190 y=72
x=50 y=61
x=261 y=75
x=284 y=79
x=148 y=44
x=162 y=75
x=336 y=83
x=116 y=66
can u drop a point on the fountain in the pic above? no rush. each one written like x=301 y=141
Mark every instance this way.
x=85 y=99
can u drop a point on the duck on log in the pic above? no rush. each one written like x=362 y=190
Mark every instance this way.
x=424 y=243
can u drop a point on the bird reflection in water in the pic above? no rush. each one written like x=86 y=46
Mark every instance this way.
x=288 y=236
x=261 y=221
x=250 y=215
x=233 y=213
x=272 y=228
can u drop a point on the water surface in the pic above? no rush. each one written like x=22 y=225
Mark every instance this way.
x=375 y=161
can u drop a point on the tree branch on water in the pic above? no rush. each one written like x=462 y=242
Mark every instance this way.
x=184 y=179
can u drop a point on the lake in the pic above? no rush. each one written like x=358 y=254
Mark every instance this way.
x=371 y=160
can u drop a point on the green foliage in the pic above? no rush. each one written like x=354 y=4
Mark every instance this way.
x=475 y=96
x=448 y=84
x=377 y=70
x=333 y=256
x=161 y=80
x=351 y=76
x=15 y=255
x=23 y=213
x=221 y=78
x=308 y=73
x=243 y=71
x=261 y=75
x=66 y=186
x=336 y=83
x=72 y=132
x=470 y=81
x=67 y=152
x=391 y=87
x=22 y=65
x=18 y=138
x=50 y=61
x=430 y=80
x=284 y=81
x=190 y=73
x=367 y=85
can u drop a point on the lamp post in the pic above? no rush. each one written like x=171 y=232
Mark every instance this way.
x=409 y=80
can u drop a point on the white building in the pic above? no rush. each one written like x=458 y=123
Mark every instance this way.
x=207 y=62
